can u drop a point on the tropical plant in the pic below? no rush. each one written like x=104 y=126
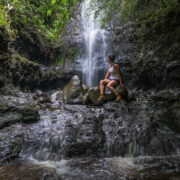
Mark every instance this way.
x=130 y=9
x=48 y=17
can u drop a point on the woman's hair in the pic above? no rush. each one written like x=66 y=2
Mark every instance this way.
x=112 y=57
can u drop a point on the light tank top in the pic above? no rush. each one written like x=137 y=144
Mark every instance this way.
x=113 y=73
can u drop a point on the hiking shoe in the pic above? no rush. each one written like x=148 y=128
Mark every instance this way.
x=101 y=97
x=118 y=98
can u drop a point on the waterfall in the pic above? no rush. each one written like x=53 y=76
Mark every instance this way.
x=95 y=46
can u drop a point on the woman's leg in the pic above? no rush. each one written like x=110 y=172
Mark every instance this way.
x=102 y=83
x=101 y=86
x=111 y=86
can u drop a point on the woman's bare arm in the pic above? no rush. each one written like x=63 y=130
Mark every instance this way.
x=116 y=66
x=107 y=74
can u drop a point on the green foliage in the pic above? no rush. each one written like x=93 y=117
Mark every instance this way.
x=130 y=9
x=70 y=56
x=47 y=17
x=3 y=17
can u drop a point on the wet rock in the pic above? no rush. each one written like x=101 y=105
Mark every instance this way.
x=72 y=93
x=141 y=127
x=17 y=109
x=117 y=168
x=122 y=92
x=172 y=70
x=169 y=100
x=84 y=136
x=85 y=99
x=58 y=95
x=20 y=171
x=172 y=116
x=136 y=128
x=11 y=142
x=161 y=168
x=72 y=130
x=25 y=114
x=94 y=93
x=85 y=89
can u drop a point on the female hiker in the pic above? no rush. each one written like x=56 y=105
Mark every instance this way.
x=112 y=79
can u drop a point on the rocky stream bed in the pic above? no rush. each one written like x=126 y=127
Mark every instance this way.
x=43 y=138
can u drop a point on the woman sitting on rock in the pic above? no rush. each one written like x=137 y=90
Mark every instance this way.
x=112 y=79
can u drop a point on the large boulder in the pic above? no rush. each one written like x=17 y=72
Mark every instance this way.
x=76 y=93
x=93 y=94
x=85 y=89
x=72 y=93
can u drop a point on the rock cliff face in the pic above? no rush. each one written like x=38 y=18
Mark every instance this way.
x=147 y=53
x=20 y=67
x=35 y=47
x=19 y=71
x=72 y=38
x=149 y=56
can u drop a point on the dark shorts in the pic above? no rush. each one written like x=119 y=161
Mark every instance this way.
x=117 y=80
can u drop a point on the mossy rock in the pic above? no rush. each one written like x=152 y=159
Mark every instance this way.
x=24 y=113
x=72 y=93
x=85 y=89
x=94 y=93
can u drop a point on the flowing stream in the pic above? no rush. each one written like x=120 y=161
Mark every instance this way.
x=118 y=141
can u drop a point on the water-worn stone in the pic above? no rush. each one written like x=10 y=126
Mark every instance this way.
x=84 y=135
x=72 y=93
x=85 y=99
x=138 y=128
x=85 y=89
x=94 y=93
x=16 y=109
x=58 y=95
x=11 y=142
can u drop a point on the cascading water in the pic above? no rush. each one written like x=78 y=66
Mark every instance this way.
x=93 y=56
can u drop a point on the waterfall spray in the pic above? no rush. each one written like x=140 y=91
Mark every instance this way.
x=93 y=59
